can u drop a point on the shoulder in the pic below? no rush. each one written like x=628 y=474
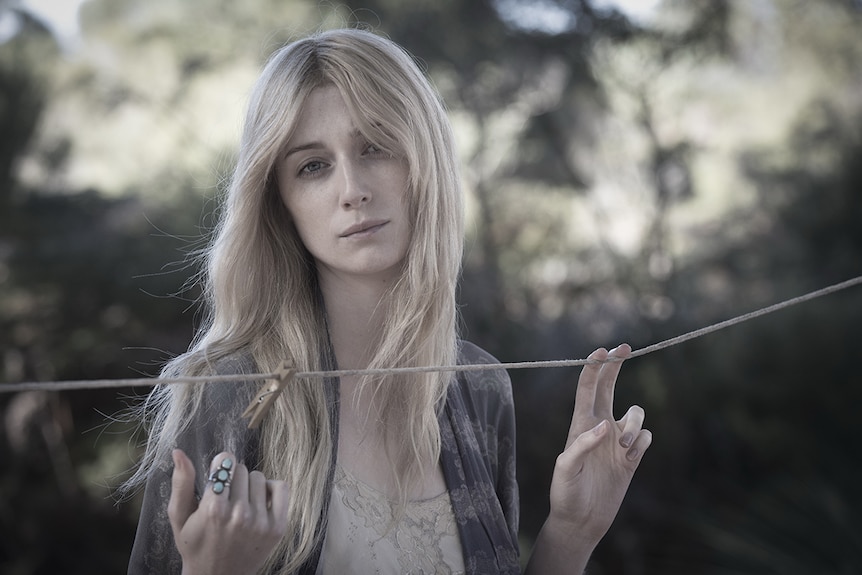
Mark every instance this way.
x=470 y=353
x=215 y=418
x=487 y=385
x=226 y=395
x=236 y=363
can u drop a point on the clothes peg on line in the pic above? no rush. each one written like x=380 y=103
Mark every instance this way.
x=267 y=394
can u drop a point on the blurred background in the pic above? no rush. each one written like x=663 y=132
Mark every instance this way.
x=633 y=170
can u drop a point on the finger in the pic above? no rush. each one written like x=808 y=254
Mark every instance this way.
x=257 y=493
x=278 y=493
x=585 y=396
x=641 y=444
x=571 y=459
x=220 y=479
x=182 y=501
x=607 y=381
x=239 y=484
x=632 y=422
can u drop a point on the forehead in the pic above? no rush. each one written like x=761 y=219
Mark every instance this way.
x=324 y=112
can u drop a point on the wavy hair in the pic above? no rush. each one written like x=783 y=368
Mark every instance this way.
x=260 y=285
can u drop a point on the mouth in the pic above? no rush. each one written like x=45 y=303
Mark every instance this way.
x=363 y=228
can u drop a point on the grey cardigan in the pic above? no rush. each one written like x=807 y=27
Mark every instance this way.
x=477 y=426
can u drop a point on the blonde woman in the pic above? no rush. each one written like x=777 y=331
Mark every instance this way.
x=339 y=246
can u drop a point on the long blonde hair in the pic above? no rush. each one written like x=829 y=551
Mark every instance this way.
x=260 y=285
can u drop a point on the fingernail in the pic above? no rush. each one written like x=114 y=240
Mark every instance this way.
x=632 y=454
x=600 y=428
x=626 y=439
x=175 y=456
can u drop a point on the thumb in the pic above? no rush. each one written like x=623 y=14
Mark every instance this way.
x=182 y=502
x=572 y=456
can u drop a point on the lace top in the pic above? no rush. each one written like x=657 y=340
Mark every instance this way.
x=477 y=434
x=361 y=537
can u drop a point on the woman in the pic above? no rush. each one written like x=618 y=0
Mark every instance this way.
x=339 y=247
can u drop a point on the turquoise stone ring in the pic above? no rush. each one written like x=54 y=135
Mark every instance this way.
x=220 y=478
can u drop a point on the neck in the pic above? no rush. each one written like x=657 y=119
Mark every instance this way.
x=355 y=312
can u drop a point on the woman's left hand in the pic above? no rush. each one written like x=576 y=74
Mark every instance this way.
x=593 y=473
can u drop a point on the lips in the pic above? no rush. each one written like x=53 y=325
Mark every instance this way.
x=368 y=226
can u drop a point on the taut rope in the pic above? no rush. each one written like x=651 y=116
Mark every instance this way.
x=151 y=381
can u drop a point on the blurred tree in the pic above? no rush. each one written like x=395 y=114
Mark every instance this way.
x=23 y=94
x=792 y=419
x=529 y=102
x=528 y=107
x=44 y=502
x=92 y=281
x=627 y=179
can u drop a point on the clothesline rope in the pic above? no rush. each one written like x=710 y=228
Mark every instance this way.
x=237 y=378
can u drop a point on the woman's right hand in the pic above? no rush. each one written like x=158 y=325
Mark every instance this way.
x=229 y=532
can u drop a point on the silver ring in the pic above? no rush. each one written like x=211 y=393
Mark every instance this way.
x=220 y=477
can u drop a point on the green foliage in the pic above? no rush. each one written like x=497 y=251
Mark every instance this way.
x=625 y=181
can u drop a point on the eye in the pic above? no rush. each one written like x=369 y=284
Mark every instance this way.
x=374 y=149
x=311 y=168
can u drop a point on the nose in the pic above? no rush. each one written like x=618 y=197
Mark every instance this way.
x=354 y=191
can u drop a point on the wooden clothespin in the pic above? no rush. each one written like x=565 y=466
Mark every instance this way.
x=267 y=394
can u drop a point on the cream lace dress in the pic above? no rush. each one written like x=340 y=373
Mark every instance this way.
x=361 y=539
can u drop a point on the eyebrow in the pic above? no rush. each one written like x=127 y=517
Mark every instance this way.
x=355 y=133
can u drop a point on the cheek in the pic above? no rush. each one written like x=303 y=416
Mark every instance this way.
x=292 y=218
x=288 y=199
x=300 y=213
x=307 y=222
x=282 y=190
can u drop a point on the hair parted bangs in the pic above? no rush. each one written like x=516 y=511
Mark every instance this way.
x=392 y=105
